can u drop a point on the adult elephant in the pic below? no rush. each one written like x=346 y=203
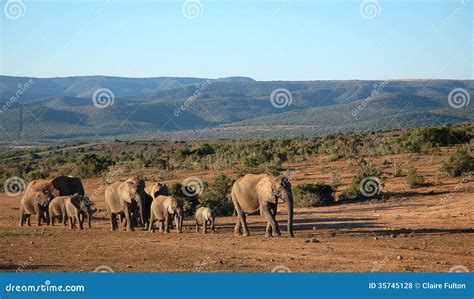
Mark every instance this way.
x=261 y=192
x=58 y=186
x=121 y=198
x=144 y=208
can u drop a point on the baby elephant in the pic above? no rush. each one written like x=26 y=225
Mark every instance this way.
x=35 y=203
x=164 y=209
x=57 y=209
x=205 y=216
x=78 y=207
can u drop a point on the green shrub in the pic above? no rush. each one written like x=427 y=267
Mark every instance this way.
x=460 y=162
x=418 y=139
x=414 y=180
x=216 y=196
x=313 y=195
x=91 y=165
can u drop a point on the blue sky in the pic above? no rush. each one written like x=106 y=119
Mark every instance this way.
x=265 y=40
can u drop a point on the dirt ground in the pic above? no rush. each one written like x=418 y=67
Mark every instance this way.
x=408 y=230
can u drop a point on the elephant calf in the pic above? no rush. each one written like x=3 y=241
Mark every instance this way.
x=163 y=209
x=205 y=216
x=57 y=209
x=78 y=207
x=35 y=203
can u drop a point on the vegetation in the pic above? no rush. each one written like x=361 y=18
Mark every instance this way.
x=460 y=162
x=313 y=195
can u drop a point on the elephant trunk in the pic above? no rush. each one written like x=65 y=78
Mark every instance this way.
x=289 y=205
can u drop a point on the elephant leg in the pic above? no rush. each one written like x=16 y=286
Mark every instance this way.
x=242 y=219
x=212 y=225
x=22 y=216
x=128 y=218
x=80 y=220
x=197 y=226
x=204 y=227
x=113 y=221
x=238 y=228
x=167 y=223
x=151 y=222
x=162 y=226
x=89 y=220
x=71 y=223
x=28 y=217
x=274 y=213
x=265 y=212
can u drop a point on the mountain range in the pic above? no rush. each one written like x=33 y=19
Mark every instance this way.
x=179 y=108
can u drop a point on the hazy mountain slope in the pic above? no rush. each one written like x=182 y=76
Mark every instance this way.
x=234 y=107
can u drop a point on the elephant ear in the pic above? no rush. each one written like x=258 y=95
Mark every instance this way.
x=125 y=191
x=171 y=205
x=76 y=201
x=266 y=190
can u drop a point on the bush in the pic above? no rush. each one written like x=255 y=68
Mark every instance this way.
x=414 y=179
x=418 y=139
x=313 y=195
x=460 y=162
x=216 y=196
x=92 y=165
x=188 y=203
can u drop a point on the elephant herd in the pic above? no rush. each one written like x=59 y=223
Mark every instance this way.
x=131 y=204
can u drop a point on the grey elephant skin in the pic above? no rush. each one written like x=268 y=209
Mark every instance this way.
x=78 y=207
x=255 y=193
x=57 y=209
x=164 y=209
x=34 y=203
x=205 y=216
x=122 y=198
x=58 y=186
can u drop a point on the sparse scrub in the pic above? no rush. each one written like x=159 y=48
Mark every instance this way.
x=462 y=161
x=313 y=195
